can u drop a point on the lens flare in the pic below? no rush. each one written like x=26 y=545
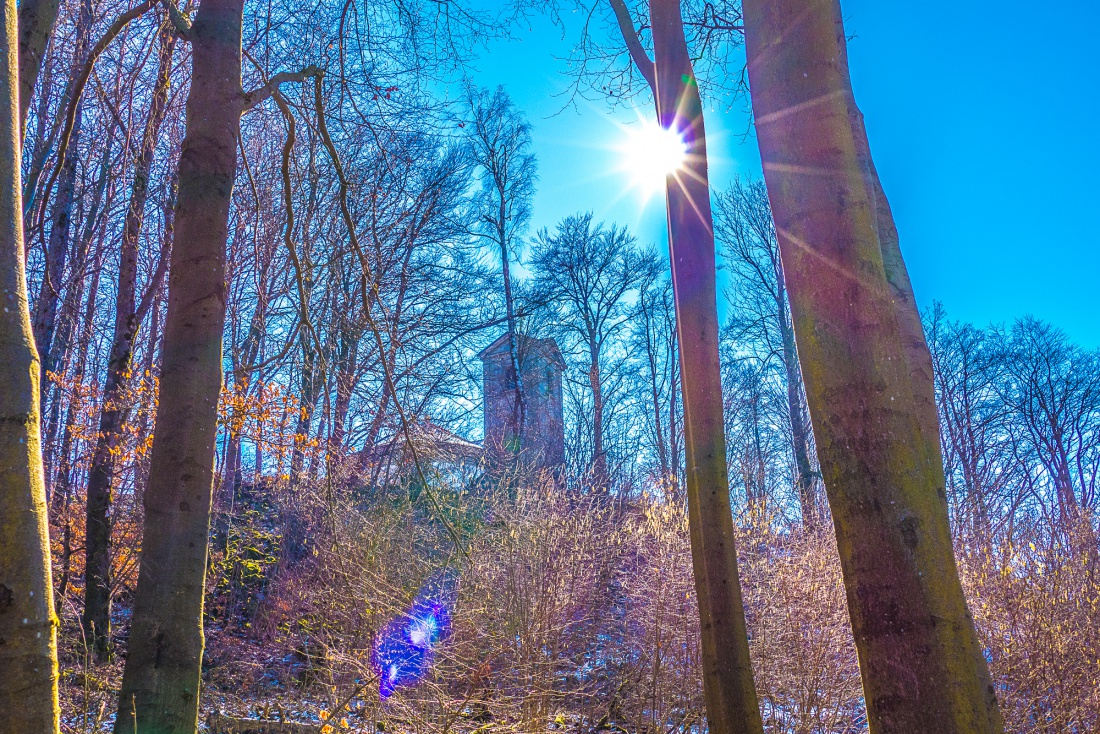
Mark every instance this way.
x=405 y=648
x=650 y=153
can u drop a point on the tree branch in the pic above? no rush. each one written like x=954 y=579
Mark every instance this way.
x=634 y=44
x=369 y=286
x=256 y=96
x=165 y=254
x=179 y=21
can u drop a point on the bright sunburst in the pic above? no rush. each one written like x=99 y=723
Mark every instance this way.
x=650 y=153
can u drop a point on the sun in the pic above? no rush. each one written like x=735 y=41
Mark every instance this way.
x=650 y=153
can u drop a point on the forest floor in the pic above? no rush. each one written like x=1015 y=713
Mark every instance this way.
x=242 y=678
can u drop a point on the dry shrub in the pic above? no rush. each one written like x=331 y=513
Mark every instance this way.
x=572 y=612
x=1036 y=603
x=803 y=653
x=664 y=692
x=578 y=613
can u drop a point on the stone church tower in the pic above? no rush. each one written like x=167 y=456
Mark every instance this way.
x=541 y=366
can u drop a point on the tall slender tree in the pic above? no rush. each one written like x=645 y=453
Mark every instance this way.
x=501 y=141
x=28 y=627
x=160 y=686
x=761 y=316
x=868 y=378
x=129 y=313
x=654 y=340
x=61 y=211
x=587 y=272
x=728 y=685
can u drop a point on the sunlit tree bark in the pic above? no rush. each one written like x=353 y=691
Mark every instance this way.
x=28 y=627
x=868 y=379
x=727 y=673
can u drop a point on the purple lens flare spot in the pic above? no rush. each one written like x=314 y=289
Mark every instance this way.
x=404 y=648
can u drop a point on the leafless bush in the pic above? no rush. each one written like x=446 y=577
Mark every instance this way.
x=804 y=656
x=1036 y=602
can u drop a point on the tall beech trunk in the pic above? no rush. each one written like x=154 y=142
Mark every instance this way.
x=160 y=685
x=727 y=673
x=868 y=379
x=728 y=686
x=113 y=414
x=28 y=627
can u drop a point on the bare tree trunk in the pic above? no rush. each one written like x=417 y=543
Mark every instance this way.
x=379 y=419
x=57 y=249
x=231 y=466
x=866 y=380
x=646 y=312
x=113 y=413
x=45 y=129
x=161 y=681
x=800 y=439
x=65 y=468
x=70 y=313
x=28 y=627
x=344 y=385
x=673 y=416
x=243 y=366
x=311 y=383
x=595 y=383
x=36 y=23
x=728 y=686
x=141 y=475
x=513 y=346
x=918 y=357
x=73 y=294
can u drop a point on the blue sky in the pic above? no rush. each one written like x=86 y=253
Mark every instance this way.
x=983 y=124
